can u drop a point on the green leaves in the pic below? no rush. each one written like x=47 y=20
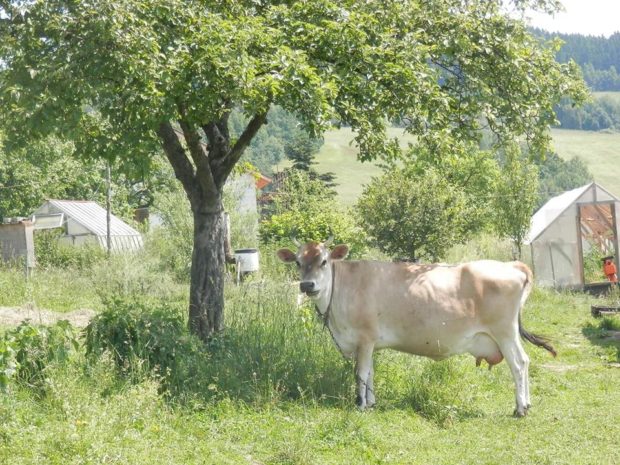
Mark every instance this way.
x=447 y=68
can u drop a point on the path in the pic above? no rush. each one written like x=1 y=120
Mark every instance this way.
x=12 y=316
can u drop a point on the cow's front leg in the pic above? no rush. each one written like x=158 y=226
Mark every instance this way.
x=363 y=375
x=370 y=389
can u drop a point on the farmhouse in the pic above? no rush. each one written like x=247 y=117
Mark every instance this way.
x=85 y=222
x=570 y=235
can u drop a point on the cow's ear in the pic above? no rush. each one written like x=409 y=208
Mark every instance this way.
x=286 y=255
x=339 y=252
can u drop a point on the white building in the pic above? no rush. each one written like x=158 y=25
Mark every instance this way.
x=85 y=222
x=567 y=228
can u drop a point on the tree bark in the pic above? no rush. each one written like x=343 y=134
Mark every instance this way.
x=206 y=300
x=203 y=180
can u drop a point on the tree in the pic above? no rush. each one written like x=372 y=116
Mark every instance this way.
x=170 y=72
x=515 y=198
x=307 y=209
x=556 y=175
x=46 y=169
x=412 y=217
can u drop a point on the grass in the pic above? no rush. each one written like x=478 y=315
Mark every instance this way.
x=59 y=290
x=274 y=390
x=598 y=149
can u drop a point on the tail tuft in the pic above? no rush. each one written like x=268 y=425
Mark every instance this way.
x=539 y=341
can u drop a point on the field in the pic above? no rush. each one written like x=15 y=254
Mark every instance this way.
x=274 y=390
x=600 y=151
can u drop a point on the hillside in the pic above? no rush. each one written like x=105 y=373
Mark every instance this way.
x=600 y=150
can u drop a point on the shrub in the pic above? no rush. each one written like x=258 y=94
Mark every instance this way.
x=411 y=217
x=145 y=337
x=50 y=252
x=28 y=350
x=306 y=208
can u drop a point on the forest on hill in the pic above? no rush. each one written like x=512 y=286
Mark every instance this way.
x=598 y=56
x=599 y=59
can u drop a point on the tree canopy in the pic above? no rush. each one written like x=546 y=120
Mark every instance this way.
x=123 y=77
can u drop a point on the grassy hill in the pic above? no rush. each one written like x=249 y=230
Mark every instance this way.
x=600 y=150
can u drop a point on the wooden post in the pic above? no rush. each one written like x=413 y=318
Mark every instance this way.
x=108 y=208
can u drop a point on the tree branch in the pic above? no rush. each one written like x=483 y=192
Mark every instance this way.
x=201 y=159
x=183 y=169
x=227 y=163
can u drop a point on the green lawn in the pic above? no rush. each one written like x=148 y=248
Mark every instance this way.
x=428 y=413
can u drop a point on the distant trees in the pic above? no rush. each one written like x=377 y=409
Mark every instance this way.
x=557 y=175
x=598 y=56
x=282 y=137
x=599 y=114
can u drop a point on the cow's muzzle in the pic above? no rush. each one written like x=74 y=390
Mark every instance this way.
x=308 y=288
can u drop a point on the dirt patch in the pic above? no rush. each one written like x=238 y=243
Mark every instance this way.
x=615 y=335
x=11 y=316
x=559 y=367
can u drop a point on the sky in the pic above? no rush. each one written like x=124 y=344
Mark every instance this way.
x=588 y=17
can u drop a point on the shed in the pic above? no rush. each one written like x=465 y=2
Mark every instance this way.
x=570 y=233
x=85 y=222
x=17 y=241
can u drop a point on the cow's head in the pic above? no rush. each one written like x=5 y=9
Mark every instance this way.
x=313 y=260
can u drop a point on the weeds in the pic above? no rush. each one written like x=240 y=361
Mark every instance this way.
x=28 y=350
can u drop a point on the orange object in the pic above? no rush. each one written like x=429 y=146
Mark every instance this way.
x=609 y=268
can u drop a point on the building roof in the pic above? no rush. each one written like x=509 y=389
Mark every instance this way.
x=92 y=217
x=554 y=207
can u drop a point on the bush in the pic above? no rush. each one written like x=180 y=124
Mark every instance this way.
x=51 y=253
x=306 y=208
x=28 y=350
x=145 y=337
x=413 y=217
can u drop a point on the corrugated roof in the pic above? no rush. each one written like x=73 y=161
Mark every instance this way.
x=92 y=217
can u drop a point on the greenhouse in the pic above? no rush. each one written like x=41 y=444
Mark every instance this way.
x=571 y=235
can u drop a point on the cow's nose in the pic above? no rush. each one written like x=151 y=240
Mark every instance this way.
x=306 y=286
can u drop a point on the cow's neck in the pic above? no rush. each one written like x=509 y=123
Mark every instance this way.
x=324 y=302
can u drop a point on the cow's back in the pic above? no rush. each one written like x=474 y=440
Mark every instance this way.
x=423 y=309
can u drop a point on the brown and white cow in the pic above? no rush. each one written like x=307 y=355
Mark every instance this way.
x=431 y=310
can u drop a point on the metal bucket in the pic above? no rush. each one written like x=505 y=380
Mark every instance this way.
x=247 y=260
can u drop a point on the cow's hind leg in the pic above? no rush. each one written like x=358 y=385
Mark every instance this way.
x=519 y=362
x=363 y=374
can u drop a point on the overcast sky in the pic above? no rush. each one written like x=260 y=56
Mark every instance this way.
x=590 y=17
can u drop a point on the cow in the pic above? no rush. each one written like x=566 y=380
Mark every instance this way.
x=432 y=310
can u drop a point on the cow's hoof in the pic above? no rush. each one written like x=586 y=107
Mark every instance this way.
x=360 y=402
x=519 y=413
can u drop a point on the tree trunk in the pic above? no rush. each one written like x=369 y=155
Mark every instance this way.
x=206 y=300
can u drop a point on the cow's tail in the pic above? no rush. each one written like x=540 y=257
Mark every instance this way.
x=537 y=340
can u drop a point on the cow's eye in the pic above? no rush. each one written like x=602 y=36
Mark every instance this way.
x=324 y=263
